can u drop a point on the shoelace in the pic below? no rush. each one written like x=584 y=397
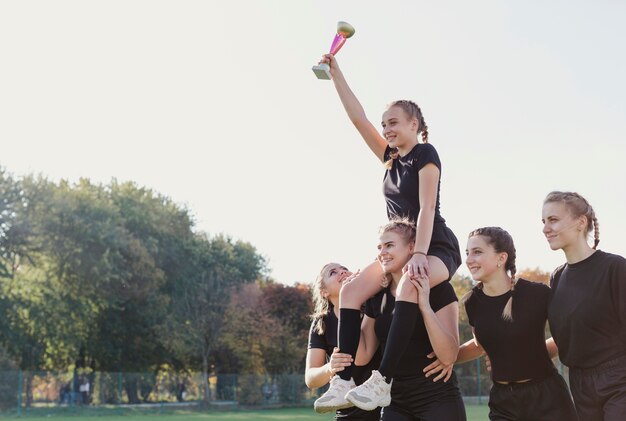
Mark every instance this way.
x=370 y=385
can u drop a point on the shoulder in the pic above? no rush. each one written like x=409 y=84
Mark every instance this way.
x=473 y=296
x=531 y=285
x=425 y=153
x=532 y=290
x=613 y=259
x=556 y=274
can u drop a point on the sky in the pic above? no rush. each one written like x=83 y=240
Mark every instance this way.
x=214 y=104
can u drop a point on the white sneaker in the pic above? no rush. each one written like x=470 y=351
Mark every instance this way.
x=373 y=393
x=334 y=398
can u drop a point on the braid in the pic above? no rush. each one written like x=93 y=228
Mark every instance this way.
x=393 y=155
x=596 y=231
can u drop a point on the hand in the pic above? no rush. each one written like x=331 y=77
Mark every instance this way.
x=417 y=266
x=422 y=284
x=339 y=361
x=445 y=371
x=488 y=363
x=351 y=277
x=332 y=63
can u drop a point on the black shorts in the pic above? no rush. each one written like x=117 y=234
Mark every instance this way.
x=445 y=246
x=600 y=392
x=418 y=398
x=536 y=400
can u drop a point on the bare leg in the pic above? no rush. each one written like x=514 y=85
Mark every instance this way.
x=438 y=271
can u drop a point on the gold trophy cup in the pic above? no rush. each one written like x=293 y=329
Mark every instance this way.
x=344 y=31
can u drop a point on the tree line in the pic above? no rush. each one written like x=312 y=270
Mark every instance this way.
x=116 y=278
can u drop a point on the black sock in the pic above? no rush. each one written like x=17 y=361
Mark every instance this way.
x=348 y=336
x=402 y=325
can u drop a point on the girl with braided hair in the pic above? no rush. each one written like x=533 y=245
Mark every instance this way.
x=587 y=313
x=411 y=189
x=508 y=318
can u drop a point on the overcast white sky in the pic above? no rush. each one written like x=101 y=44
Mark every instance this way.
x=214 y=105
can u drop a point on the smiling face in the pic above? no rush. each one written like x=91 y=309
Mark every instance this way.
x=333 y=277
x=398 y=128
x=561 y=228
x=483 y=260
x=393 y=251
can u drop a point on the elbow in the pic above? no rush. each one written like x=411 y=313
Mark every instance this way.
x=310 y=382
x=449 y=358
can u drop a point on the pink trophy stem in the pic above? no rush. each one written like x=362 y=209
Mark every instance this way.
x=337 y=44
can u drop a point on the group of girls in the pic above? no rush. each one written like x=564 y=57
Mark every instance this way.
x=379 y=334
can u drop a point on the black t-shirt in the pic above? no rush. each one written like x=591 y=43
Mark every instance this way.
x=414 y=358
x=587 y=313
x=401 y=182
x=517 y=349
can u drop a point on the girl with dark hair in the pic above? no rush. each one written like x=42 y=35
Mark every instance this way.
x=411 y=190
x=323 y=359
x=587 y=313
x=508 y=318
x=413 y=397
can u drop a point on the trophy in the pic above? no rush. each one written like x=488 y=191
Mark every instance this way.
x=344 y=31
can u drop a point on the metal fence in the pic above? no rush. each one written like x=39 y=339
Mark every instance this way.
x=22 y=391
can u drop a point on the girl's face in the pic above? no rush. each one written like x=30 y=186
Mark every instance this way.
x=560 y=227
x=333 y=279
x=393 y=251
x=398 y=129
x=482 y=259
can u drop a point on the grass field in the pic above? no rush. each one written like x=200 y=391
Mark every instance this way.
x=474 y=413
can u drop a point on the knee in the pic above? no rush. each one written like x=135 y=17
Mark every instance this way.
x=406 y=291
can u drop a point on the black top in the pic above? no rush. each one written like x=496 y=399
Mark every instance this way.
x=401 y=182
x=328 y=342
x=517 y=349
x=587 y=314
x=414 y=359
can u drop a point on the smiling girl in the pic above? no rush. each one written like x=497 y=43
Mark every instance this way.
x=411 y=190
x=588 y=309
x=508 y=318
x=413 y=396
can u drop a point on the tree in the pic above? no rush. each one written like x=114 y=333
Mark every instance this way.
x=290 y=307
x=215 y=267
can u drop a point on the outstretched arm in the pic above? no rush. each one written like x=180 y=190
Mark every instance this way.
x=355 y=110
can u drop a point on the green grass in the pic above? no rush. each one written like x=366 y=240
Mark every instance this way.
x=474 y=413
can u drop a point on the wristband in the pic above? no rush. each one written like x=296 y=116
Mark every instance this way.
x=418 y=252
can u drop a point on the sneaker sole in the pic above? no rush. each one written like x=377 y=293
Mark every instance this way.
x=368 y=406
x=325 y=409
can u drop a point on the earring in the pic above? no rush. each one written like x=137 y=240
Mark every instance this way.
x=499 y=265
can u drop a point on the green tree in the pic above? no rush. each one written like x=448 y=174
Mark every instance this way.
x=214 y=267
